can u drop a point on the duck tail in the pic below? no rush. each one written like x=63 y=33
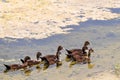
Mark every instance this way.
x=22 y=61
x=7 y=67
x=68 y=51
x=69 y=55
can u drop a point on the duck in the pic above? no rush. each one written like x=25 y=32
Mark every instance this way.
x=78 y=51
x=82 y=59
x=53 y=59
x=15 y=66
x=30 y=62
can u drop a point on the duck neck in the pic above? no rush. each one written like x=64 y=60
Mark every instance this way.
x=57 y=55
x=89 y=54
x=58 y=52
x=84 y=48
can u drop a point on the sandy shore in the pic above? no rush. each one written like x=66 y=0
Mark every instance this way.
x=104 y=76
x=42 y=18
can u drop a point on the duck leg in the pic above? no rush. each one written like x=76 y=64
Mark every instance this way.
x=73 y=61
x=46 y=65
x=68 y=57
x=68 y=51
x=58 y=63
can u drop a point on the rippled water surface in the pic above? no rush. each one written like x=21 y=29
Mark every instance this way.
x=104 y=39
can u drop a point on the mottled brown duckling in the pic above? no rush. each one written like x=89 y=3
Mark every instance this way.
x=78 y=51
x=30 y=62
x=84 y=58
x=52 y=59
x=15 y=66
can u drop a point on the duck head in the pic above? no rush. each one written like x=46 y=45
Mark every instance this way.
x=59 y=48
x=89 y=52
x=38 y=55
x=86 y=43
x=27 y=58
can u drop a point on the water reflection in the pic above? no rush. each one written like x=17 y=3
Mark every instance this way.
x=90 y=66
x=27 y=72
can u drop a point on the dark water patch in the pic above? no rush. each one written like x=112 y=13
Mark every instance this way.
x=115 y=10
x=28 y=42
x=61 y=38
x=97 y=23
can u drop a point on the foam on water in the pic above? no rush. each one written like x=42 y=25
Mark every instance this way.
x=9 y=60
x=42 y=18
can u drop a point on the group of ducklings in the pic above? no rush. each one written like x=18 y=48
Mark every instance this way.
x=73 y=55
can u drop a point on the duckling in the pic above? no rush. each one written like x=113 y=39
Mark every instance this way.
x=79 y=51
x=15 y=66
x=52 y=59
x=83 y=58
x=30 y=62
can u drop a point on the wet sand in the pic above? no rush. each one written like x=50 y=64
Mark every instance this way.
x=104 y=38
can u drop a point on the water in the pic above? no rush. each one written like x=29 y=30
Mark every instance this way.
x=104 y=38
x=26 y=29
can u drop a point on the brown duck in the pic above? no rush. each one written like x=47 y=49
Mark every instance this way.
x=84 y=58
x=27 y=60
x=52 y=59
x=15 y=66
x=78 y=51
